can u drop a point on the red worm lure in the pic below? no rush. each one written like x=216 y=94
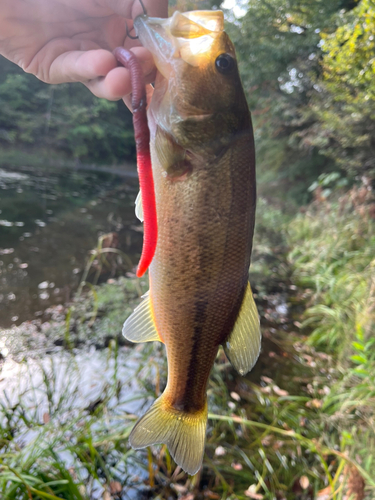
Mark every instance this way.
x=142 y=142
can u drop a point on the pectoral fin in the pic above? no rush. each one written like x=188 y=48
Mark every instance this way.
x=242 y=347
x=140 y=326
x=138 y=207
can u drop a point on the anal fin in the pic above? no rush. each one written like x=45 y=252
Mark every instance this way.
x=140 y=326
x=242 y=347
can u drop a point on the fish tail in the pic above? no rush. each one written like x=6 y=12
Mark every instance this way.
x=183 y=432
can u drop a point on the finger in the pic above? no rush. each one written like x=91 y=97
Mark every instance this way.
x=113 y=86
x=80 y=66
x=66 y=60
x=116 y=84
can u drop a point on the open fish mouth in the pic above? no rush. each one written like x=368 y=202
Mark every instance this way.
x=177 y=43
x=187 y=36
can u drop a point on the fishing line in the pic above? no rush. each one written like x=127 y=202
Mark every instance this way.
x=143 y=7
x=126 y=24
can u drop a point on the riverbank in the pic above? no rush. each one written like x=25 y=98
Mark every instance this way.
x=291 y=429
x=47 y=160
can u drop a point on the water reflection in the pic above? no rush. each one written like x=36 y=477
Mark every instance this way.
x=53 y=399
x=49 y=221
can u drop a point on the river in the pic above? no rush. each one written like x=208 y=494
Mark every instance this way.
x=50 y=220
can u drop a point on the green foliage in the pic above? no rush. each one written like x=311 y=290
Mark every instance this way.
x=284 y=431
x=328 y=182
x=93 y=444
x=264 y=436
x=333 y=255
x=66 y=120
x=308 y=69
x=349 y=65
x=345 y=103
x=277 y=44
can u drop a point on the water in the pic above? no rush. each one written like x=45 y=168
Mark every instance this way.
x=63 y=389
x=50 y=220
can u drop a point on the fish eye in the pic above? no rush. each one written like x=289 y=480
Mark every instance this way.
x=224 y=63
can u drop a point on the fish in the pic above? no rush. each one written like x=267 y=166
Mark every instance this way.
x=203 y=167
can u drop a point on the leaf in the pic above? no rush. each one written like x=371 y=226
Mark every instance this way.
x=358 y=359
x=358 y=346
x=251 y=492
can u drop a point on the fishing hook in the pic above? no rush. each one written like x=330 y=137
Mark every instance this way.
x=128 y=32
x=126 y=24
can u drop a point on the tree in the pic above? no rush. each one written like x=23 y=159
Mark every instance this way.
x=65 y=120
x=278 y=44
x=346 y=104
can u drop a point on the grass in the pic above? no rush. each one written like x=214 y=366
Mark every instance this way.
x=300 y=426
x=334 y=259
x=267 y=436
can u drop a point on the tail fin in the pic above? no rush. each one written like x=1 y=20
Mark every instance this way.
x=184 y=433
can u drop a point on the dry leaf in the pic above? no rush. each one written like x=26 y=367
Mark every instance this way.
x=115 y=487
x=266 y=390
x=235 y=396
x=220 y=451
x=356 y=484
x=325 y=494
x=210 y=494
x=251 y=492
x=236 y=466
x=314 y=403
x=267 y=440
x=179 y=488
x=304 y=482
x=280 y=392
x=46 y=418
x=278 y=444
x=267 y=380
x=107 y=496
x=189 y=496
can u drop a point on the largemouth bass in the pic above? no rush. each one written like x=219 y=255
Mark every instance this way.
x=203 y=165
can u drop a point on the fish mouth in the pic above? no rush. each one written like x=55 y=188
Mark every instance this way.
x=187 y=36
x=153 y=35
x=176 y=43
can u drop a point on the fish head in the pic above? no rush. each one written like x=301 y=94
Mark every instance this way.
x=198 y=97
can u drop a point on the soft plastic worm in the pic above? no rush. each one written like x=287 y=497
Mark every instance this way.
x=142 y=142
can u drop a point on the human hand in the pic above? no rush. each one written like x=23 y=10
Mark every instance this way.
x=72 y=40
